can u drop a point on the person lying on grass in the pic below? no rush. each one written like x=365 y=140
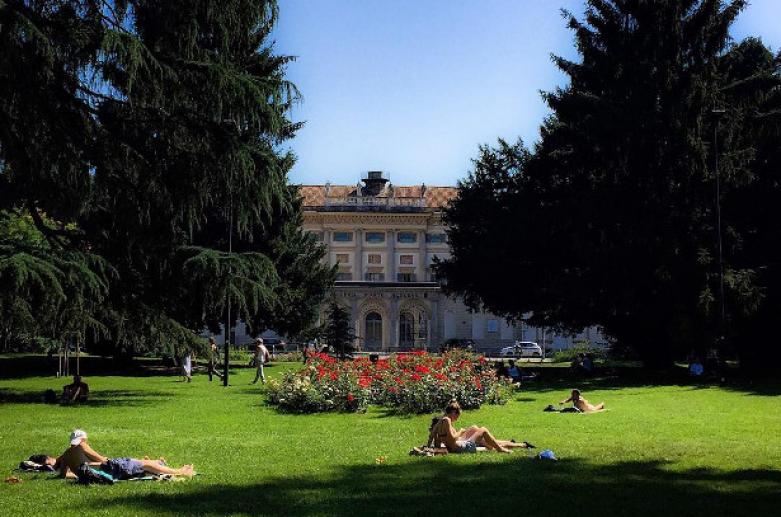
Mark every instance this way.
x=583 y=404
x=465 y=440
x=80 y=452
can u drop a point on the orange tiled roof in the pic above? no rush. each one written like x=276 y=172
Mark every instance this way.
x=436 y=197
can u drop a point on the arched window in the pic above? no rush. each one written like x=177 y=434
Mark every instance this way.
x=406 y=329
x=373 y=331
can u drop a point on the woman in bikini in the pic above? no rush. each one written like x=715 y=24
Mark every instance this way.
x=583 y=404
x=467 y=440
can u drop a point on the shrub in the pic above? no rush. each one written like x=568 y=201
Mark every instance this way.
x=569 y=354
x=407 y=383
x=288 y=357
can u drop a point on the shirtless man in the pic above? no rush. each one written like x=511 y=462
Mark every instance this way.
x=582 y=404
x=465 y=440
x=80 y=452
x=76 y=392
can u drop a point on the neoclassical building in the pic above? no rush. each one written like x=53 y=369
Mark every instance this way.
x=384 y=239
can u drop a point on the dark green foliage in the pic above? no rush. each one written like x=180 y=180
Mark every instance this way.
x=613 y=213
x=337 y=332
x=138 y=136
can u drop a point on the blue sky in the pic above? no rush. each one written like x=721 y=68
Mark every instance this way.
x=412 y=87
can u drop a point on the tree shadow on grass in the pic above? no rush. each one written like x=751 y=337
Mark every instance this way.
x=472 y=486
x=611 y=379
x=102 y=398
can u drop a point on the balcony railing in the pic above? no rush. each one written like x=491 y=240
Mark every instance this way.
x=374 y=277
x=406 y=277
x=375 y=203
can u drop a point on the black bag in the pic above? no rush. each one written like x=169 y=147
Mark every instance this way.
x=550 y=408
x=87 y=476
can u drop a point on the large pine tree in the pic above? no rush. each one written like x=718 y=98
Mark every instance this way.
x=614 y=210
x=149 y=134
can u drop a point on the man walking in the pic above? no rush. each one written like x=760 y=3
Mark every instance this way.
x=261 y=356
x=214 y=358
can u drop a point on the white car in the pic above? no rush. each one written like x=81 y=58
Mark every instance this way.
x=522 y=349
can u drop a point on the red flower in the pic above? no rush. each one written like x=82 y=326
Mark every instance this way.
x=364 y=382
x=416 y=377
x=478 y=384
x=334 y=376
x=350 y=397
x=422 y=369
x=440 y=376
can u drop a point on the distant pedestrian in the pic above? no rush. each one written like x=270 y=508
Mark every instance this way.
x=214 y=359
x=187 y=367
x=261 y=357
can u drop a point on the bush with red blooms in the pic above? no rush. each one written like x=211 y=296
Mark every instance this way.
x=415 y=382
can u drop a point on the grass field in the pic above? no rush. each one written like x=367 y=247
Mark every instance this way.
x=662 y=448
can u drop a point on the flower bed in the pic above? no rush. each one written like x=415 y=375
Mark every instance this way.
x=408 y=383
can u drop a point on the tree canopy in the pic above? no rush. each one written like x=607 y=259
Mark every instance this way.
x=613 y=213
x=140 y=138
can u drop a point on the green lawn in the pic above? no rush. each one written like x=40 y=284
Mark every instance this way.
x=663 y=448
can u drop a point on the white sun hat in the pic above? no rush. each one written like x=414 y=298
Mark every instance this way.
x=77 y=436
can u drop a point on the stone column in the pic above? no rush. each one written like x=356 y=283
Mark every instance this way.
x=327 y=242
x=357 y=342
x=358 y=256
x=421 y=269
x=391 y=236
x=393 y=321
x=433 y=326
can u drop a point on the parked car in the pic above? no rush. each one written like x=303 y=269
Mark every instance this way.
x=522 y=349
x=462 y=344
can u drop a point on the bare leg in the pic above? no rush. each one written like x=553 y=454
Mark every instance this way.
x=507 y=444
x=154 y=467
x=484 y=437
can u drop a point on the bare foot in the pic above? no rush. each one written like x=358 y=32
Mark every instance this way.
x=187 y=470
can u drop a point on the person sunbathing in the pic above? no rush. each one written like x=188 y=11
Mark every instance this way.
x=582 y=404
x=442 y=433
x=80 y=452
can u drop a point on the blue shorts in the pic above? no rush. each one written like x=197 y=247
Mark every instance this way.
x=123 y=468
x=465 y=447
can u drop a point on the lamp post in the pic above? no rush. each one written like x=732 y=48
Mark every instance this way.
x=235 y=127
x=717 y=113
x=227 y=290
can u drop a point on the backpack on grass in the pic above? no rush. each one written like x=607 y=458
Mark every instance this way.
x=87 y=476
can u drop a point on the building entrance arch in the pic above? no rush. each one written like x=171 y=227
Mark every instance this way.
x=372 y=331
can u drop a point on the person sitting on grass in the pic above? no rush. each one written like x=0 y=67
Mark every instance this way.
x=76 y=392
x=582 y=404
x=514 y=372
x=465 y=440
x=80 y=452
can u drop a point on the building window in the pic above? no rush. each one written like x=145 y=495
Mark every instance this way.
x=375 y=237
x=406 y=329
x=436 y=238
x=374 y=277
x=343 y=236
x=407 y=237
x=492 y=326
x=406 y=260
x=373 y=331
x=342 y=258
x=375 y=259
x=342 y=276
x=406 y=277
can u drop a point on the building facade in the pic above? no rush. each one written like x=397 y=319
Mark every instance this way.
x=384 y=240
